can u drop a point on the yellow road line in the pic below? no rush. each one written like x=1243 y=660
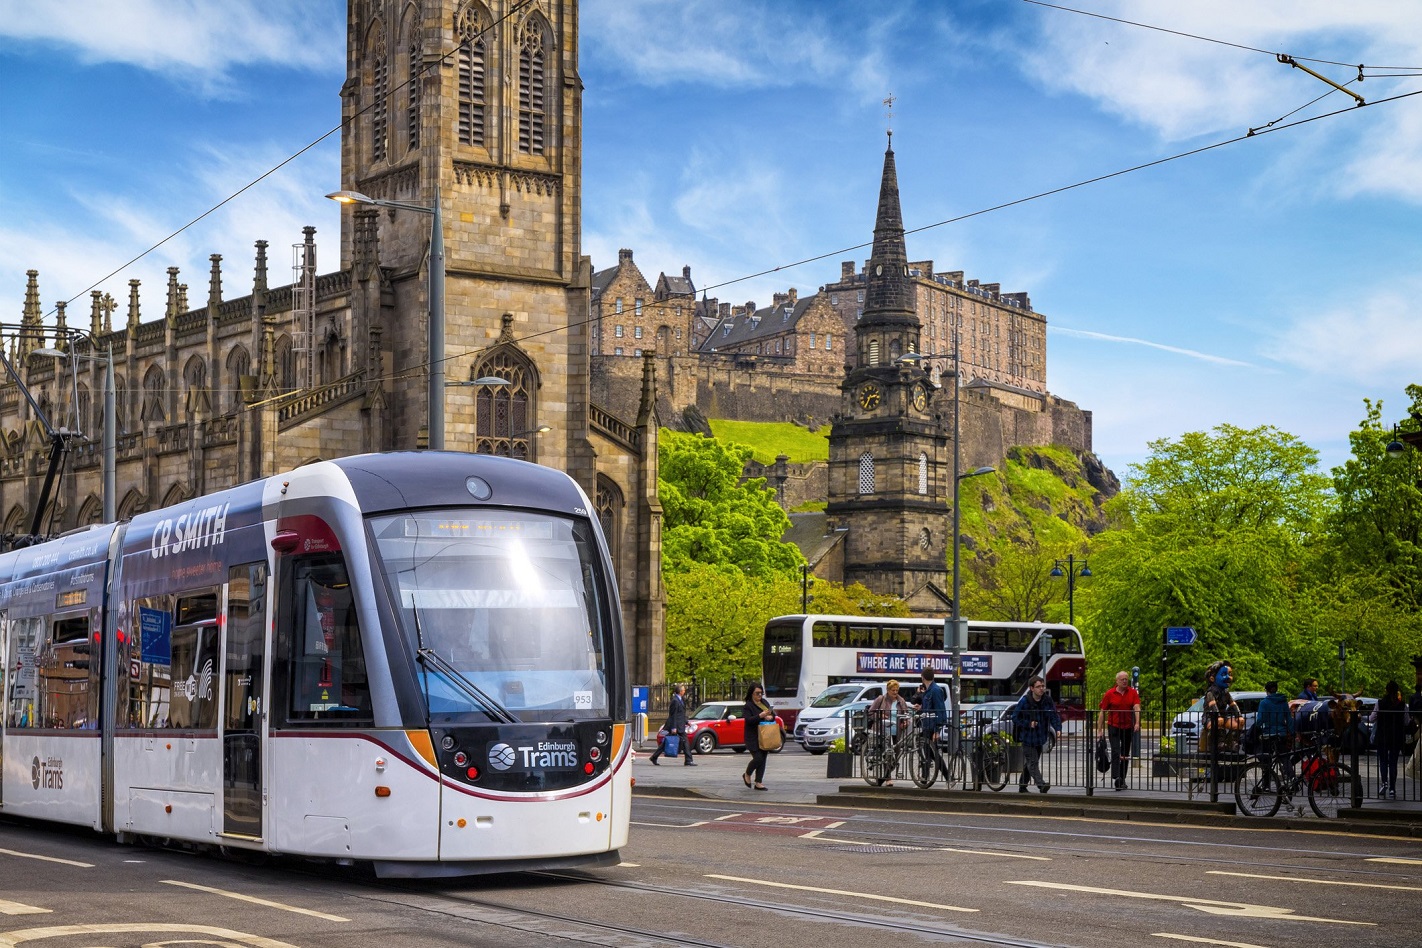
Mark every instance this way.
x=19 y=908
x=1212 y=906
x=62 y=862
x=1206 y=941
x=1395 y=860
x=1359 y=885
x=256 y=901
x=855 y=895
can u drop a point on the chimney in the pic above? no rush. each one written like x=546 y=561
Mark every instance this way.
x=793 y=295
x=624 y=256
x=846 y=271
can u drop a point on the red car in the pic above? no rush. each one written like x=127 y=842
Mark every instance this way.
x=718 y=724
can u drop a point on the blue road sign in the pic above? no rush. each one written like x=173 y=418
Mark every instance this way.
x=1179 y=635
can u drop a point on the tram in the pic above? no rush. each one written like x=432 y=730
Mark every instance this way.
x=411 y=659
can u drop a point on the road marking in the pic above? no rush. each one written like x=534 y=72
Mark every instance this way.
x=992 y=852
x=1207 y=941
x=10 y=939
x=1395 y=860
x=1212 y=906
x=1359 y=885
x=19 y=908
x=630 y=865
x=674 y=826
x=62 y=862
x=256 y=901
x=857 y=895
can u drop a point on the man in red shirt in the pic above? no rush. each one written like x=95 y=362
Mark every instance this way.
x=1122 y=705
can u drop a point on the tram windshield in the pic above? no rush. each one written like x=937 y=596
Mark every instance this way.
x=508 y=607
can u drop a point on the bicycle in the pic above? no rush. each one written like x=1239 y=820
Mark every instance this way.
x=881 y=749
x=1262 y=786
x=988 y=757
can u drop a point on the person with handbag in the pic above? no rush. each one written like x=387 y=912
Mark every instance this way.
x=1122 y=705
x=759 y=717
x=676 y=725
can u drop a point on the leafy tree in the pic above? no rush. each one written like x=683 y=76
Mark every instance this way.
x=716 y=619
x=833 y=599
x=710 y=516
x=1014 y=583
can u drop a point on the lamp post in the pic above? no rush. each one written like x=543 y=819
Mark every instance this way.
x=108 y=437
x=436 y=307
x=1072 y=571
x=804 y=588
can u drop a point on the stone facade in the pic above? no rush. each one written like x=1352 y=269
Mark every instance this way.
x=474 y=107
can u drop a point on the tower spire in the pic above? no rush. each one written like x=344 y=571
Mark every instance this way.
x=889 y=296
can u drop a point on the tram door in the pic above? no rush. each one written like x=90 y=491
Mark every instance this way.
x=4 y=696
x=244 y=705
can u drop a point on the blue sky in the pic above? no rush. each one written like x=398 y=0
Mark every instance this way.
x=1271 y=281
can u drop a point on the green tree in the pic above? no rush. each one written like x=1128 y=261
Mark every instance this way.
x=834 y=599
x=1014 y=583
x=711 y=516
x=716 y=619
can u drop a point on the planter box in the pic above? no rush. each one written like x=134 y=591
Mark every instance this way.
x=1164 y=767
x=839 y=766
x=1015 y=758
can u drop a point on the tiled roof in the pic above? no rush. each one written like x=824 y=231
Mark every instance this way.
x=764 y=323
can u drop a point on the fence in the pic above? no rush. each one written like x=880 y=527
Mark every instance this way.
x=698 y=690
x=1167 y=753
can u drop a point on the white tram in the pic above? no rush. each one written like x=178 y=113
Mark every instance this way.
x=414 y=659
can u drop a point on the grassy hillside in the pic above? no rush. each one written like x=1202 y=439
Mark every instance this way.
x=1039 y=493
x=767 y=439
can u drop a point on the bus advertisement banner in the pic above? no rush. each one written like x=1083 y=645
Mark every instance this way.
x=904 y=663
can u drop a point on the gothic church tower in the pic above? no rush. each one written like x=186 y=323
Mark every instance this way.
x=889 y=462
x=477 y=105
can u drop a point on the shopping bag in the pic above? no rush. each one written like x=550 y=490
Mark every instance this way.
x=768 y=736
x=672 y=745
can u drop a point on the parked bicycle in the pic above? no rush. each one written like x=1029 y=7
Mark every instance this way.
x=882 y=747
x=1273 y=780
x=986 y=752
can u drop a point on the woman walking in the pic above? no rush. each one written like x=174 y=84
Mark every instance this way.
x=1389 y=736
x=756 y=710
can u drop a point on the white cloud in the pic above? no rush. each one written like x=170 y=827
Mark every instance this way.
x=188 y=39
x=1130 y=340
x=1376 y=340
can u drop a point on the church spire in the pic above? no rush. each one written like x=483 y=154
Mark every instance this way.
x=889 y=295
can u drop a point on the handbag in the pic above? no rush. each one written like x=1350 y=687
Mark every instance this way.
x=1103 y=754
x=768 y=736
x=671 y=745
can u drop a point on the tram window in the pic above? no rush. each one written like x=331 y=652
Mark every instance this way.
x=22 y=702
x=176 y=640
x=194 y=670
x=320 y=644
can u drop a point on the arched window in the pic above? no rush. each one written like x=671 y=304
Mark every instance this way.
x=154 y=386
x=195 y=383
x=609 y=514
x=90 y=424
x=90 y=512
x=133 y=503
x=380 y=95
x=332 y=358
x=472 y=31
x=866 y=473
x=894 y=350
x=17 y=523
x=176 y=495
x=414 y=53
x=238 y=365
x=285 y=365
x=533 y=49
x=922 y=473
x=122 y=400
x=873 y=352
x=505 y=415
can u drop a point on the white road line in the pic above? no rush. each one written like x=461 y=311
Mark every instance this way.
x=856 y=895
x=1212 y=906
x=1206 y=941
x=19 y=908
x=10 y=939
x=1395 y=860
x=1358 y=885
x=990 y=852
x=256 y=901
x=62 y=862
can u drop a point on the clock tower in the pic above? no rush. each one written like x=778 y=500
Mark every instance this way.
x=889 y=460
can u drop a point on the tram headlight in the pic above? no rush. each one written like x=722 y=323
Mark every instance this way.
x=602 y=737
x=447 y=742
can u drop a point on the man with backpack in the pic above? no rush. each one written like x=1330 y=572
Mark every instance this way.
x=1035 y=722
x=1275 y=721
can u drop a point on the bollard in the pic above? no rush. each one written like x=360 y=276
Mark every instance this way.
x=639 y=728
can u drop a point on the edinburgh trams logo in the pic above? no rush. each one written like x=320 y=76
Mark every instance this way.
x=47 y=774
x=501 y=756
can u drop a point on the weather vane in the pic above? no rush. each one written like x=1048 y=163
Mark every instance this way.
x=889 y=114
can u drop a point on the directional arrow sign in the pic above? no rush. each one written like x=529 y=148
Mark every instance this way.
x=1179 y=635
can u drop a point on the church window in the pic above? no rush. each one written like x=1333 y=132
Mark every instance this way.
x=238 y=365
x=922 y=473
x=617 y=330
x=412 y=100
x=873 y=352
x=153 y=392
x=505 y=416
x=610 y=505
x=532 y=90
x=380 y=85
x=285 y=364
x=637 y=331
x=195 y=381
x=866 y=473
x=472 y=27
x=895 y=350
x=637 y=307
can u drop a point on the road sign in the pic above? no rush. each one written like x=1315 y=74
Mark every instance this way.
x=1180 y=635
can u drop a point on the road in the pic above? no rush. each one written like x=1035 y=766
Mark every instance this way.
x=740 y=868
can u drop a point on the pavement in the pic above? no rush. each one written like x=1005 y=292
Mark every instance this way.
x=795 y=776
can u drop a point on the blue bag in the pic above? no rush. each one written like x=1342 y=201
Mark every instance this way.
x=671 y=745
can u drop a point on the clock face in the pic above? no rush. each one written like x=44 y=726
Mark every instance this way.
x=869 y=397
x=920 y=397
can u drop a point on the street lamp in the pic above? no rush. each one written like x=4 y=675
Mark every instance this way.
x=436 y=313
x=1073 y=570
x=804 y=588
x=109 y=436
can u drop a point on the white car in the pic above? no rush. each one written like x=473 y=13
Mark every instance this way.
x=817 y=736
x=832 y=700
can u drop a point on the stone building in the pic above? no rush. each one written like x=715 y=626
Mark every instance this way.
x=474 y=105
x=804 y=335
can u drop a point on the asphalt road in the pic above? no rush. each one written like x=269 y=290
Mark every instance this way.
x=732 y=867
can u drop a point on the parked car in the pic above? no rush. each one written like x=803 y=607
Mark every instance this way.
x=832 y=700
x=996 y=716
x=1186 y=725
x=718 y=724
x=817 y=736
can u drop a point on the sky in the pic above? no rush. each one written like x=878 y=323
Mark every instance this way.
x=1271 y=280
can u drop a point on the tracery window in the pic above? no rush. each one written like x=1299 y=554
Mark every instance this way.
x=504 y=415
x=380 y=92
x=866 y=473
x=412 y=94
x=471 y=27
x=153 y=391
x=532 y=85
x=239 y=363
x=609 y=504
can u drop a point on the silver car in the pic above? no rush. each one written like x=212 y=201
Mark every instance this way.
x=817 y=736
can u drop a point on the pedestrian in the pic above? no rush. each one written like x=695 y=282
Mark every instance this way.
x=755 y=711
x=932 y=703
x=1035 y=721
x=676 y=724
x=1389 y=736
x=1221 y=723
x=1309 y=692
x=885 y=713
x=1122 y=705
x=1275 y=721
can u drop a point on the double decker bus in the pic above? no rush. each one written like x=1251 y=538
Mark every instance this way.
x=805 y=654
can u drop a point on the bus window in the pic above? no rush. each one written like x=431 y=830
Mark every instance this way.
x=781 y=657
x=319 y=643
